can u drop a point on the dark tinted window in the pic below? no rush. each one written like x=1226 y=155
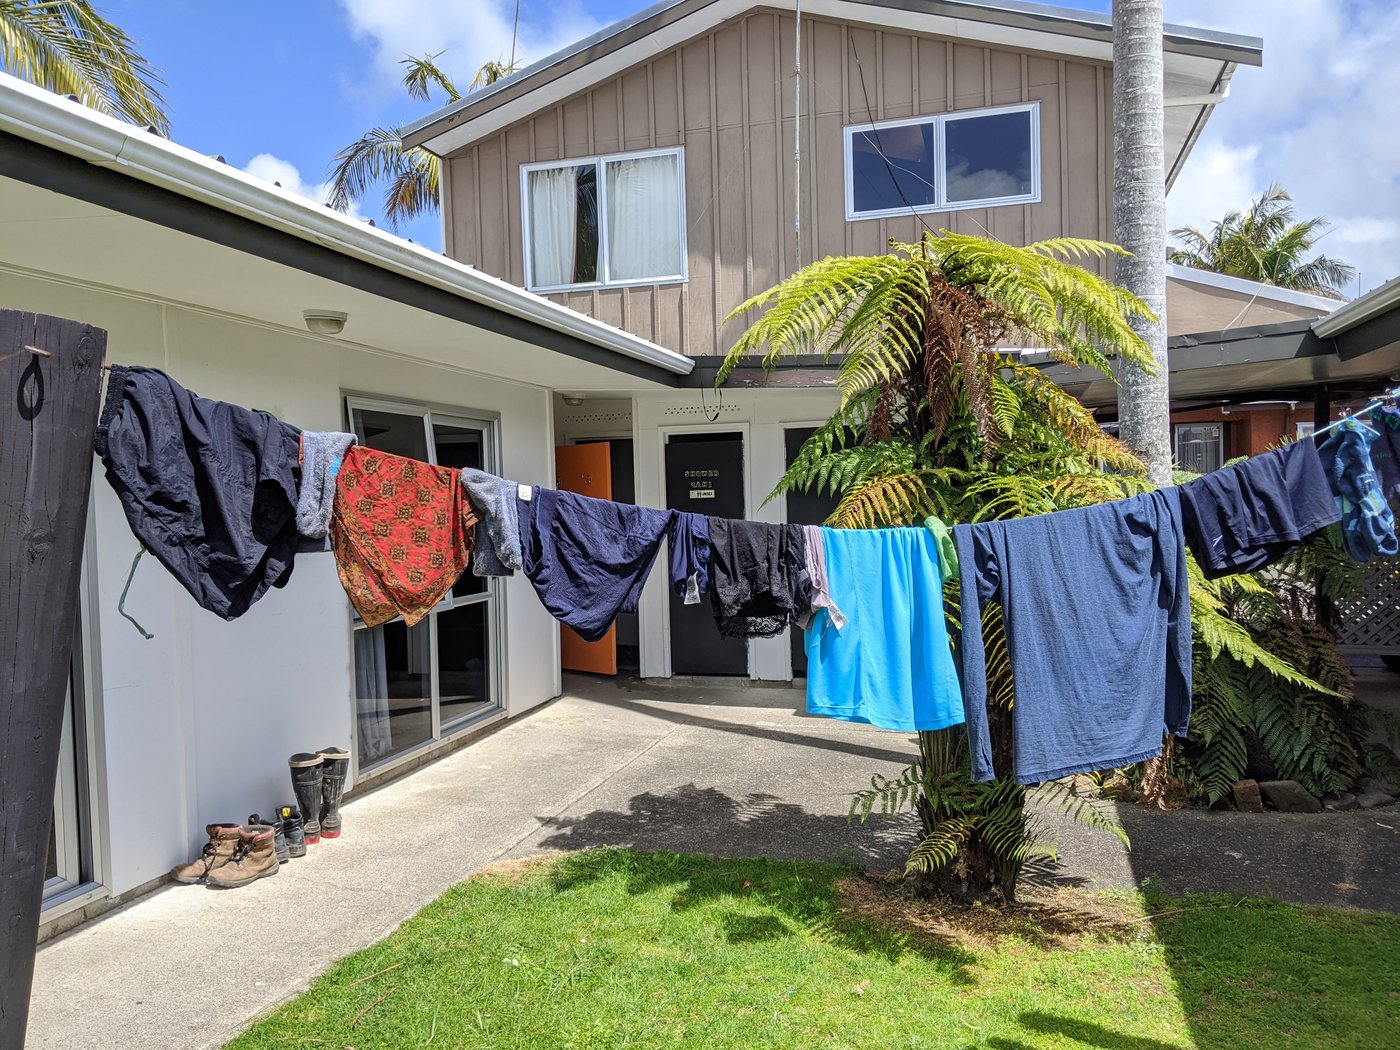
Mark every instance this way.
x=988 y=157
x=893 y=168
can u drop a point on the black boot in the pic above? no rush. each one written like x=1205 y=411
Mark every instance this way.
x=306 y=785
x=279 y=841
x=290 y=819
x=335 y=762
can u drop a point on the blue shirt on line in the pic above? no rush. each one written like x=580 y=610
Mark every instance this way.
x=1098 y=626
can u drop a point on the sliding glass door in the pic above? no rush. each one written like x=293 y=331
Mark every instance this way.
x=418 y=685
x=68 y=866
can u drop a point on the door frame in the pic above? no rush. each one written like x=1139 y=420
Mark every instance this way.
x=663 y=435
x=89 y=782
x=785 y=426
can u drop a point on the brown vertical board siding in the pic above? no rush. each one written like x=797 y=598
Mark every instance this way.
x=769 y=183
x=823 y=64
x=897 y=89
x=969 y=76
x=496 y=227
x=607 y=130
x=1083 y=128
x=637 y=130
x=1004 y=71
x=518 y=151
x=465 y=241
x=665 y=88
x=727 y=98
x=863 y=105
x=933 y=75
x=1046 y=217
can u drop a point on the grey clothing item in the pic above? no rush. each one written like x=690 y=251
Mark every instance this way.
x=816 y=571
x=498 y=532
x=321 y=453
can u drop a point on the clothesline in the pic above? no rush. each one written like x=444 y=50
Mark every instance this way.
x=1095 y=600
x=1376 y=403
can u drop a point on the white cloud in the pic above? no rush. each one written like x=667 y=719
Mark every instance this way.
x=1215 y=180
x=469 y=33
x=269 y=168
x=1319 y=118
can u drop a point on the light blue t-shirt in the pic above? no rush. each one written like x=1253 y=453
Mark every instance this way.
x=890 y=664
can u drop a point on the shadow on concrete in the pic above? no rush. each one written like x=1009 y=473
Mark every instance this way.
x=766 y=900
x=692 y=819
x=824 y=743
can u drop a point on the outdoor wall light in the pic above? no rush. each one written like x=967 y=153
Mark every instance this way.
x=325 y=322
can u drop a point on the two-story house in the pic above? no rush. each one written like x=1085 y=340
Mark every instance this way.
x=658 y=173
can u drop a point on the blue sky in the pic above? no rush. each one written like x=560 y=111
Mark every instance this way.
x=279 y=87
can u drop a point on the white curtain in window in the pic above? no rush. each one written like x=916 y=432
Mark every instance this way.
x=553 y=225
x=644 y=218
x=372 y=693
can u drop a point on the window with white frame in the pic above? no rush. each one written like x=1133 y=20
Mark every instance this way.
x=970 y=159
x=420 y=684
x=1200 y=447
x=601 y=221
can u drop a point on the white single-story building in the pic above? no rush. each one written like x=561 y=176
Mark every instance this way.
x=203 y=271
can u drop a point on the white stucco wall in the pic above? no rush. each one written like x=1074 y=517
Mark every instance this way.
x=761 y=415
x=197 y=723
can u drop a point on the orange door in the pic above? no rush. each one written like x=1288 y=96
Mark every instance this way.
x=587 y=470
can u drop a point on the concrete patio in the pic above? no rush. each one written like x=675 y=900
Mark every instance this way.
x=712 y=769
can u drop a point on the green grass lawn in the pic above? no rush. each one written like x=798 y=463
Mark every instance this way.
x=609 y=948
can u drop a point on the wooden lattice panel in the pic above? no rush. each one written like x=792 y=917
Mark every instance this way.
x=1370 y=621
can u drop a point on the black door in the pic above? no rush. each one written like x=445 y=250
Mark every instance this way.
x=803 y=508
x=705 y=475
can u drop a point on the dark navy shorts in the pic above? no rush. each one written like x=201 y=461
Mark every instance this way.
x=588 y=558
x=1241 y=518
x=209 y=488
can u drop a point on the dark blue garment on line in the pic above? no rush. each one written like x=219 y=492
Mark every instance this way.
x=1098 y=627
x=1368 y=524
x=1241 y=518
x=690 y=555
x=209 y=488
x=588 y=558
x=1385 y=452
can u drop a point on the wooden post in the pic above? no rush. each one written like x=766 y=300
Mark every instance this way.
x=47 y=418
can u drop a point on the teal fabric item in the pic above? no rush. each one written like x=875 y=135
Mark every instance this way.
x=891 y=664
x=1368 y=525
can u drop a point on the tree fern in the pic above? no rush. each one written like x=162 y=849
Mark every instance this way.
x=935 y=419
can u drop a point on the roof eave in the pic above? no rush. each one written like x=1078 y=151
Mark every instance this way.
x=39 y=116
x=1229 y=48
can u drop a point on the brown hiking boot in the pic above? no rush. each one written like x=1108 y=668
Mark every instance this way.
x=223 y=841
x=255 y=857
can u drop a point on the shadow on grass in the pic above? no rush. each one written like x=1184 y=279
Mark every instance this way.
x=1089 y=1033
x=760 y=900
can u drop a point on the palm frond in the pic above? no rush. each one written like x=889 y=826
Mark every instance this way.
x=66 y=47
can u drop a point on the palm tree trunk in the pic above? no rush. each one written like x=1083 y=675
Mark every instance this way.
x=1140 y=223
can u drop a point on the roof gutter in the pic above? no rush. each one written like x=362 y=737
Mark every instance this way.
x=40 y=116
x=1359 y=311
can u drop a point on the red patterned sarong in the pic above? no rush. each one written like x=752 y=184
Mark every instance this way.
x=401 y=531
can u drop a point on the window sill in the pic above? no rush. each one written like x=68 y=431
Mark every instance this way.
x=598 y=286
